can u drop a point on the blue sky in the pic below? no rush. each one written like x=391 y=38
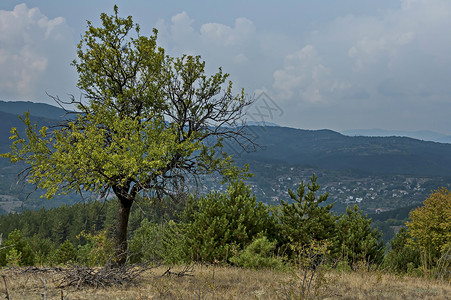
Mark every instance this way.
x=325 y=64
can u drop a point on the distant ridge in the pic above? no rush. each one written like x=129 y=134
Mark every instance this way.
x=41 y=110
x=261 y=123
x=325 y=148
x=424 y=135
x=331 y=150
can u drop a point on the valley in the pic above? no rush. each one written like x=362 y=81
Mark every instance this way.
x=376 y=173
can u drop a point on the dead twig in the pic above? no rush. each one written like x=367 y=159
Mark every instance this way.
x=79 y=277
x=187 y=270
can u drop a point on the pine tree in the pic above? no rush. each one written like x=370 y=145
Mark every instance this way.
x=226 y=223
x=356 y=241
x=306 y=219
x=402 y=254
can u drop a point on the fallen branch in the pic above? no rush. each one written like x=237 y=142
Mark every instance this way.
x=185 y=272
x=79 y=277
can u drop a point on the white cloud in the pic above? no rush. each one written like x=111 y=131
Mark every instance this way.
x=305 y=77
x=210 y=37
x=399 y=55
x=181 y=28
x=31 y=46
x=240 y=58
x=360 y=65
x=235 y=48
x=225 y=35
x=391 y=69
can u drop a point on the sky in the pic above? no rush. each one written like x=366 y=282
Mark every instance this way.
x=340 y=65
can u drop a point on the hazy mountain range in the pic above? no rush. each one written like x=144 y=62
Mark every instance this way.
x=373 y=151
x=328 y=149
x=420 y=135
x=280 y=147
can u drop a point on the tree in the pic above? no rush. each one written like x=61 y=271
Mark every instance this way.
x=402 y=253
x=16 y=250
x=430 y=227
x=306 y=219
x=65 y=253
x=225 y=222
x=356 y=240
x=146 y=123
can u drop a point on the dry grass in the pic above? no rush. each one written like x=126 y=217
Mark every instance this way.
x=374 y=285
x=213 y=282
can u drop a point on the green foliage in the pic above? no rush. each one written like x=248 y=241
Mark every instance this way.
x=343 y=266
x=309 y=266
x=386 y=228
x=98 y=249
x=13 y=258
x=175 y=244
x=42 y=249
x=147 y=122
x=145 y=245
x=305 y=220
x=226 y=222
x=16 y=251
x=61 y=223
x=356 y=241
x=159 y=242
x=430 y=227
x=66 y=253
x=402 y=257
x=260 y=254
x=136 y=150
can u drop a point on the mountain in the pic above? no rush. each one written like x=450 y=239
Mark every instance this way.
x=331 y=150
x=14 y=196
x=261 y=123
x=9 y=120
x=41 y=110
x=380 y=172
x=420 y=135
x=445 y=139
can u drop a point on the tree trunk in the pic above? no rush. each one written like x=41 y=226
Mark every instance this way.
x=124 y=206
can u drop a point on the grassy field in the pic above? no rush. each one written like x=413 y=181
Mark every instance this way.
x=215 y=282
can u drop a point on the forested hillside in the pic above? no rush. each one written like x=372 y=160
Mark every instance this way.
x=331 y=150
x=412 y=167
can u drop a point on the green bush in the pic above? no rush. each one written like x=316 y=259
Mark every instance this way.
x=403 y=256
x=259 y=255
x=43 y=249
x=16 y=250
x=13 y=258
x=161 y=242
x=98 y=249
x=343 y=266
x=65 y=253
x=305 y=219
x=145 y=244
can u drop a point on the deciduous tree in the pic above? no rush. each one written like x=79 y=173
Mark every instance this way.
x=430 y=227
x=146 y=121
